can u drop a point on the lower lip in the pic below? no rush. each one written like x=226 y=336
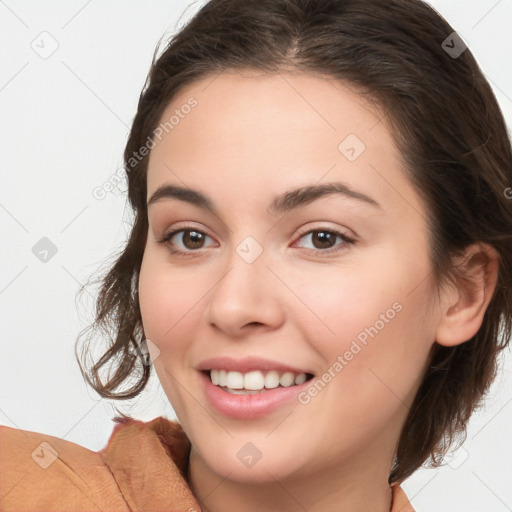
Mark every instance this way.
x=247 y=407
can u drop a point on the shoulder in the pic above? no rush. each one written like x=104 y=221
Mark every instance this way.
x=401 y=502
x=142 y=467
x=43 y=472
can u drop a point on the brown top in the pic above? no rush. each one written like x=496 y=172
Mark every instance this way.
x=142 y=468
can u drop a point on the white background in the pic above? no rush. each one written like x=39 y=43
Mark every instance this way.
x=64 y=124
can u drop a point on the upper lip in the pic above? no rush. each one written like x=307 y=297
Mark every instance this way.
x=246 y=364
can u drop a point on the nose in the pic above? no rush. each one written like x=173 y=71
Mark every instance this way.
x=247 y=295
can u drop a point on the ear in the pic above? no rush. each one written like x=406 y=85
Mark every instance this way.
x=463 y=303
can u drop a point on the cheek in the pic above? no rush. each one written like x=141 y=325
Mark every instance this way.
x=376 y=326
x=166 y=302
x=168 y=317
x=346 y=300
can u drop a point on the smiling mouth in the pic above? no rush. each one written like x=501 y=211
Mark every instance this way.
x=254 y=382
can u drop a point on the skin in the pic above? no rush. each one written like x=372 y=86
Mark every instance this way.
x=251 y=137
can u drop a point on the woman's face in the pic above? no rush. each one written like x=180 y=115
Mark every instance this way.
x=271 y=279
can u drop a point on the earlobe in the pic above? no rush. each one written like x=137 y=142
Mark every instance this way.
x=463 y=303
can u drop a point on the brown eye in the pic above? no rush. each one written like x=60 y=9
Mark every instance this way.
x=192 y=239
x=189 y=241
x=324 y=240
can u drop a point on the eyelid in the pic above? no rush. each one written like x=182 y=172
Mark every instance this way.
x=324 y=227
x=168 y=234
x=347 y=240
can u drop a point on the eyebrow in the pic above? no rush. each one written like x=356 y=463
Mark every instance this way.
x=283 y=203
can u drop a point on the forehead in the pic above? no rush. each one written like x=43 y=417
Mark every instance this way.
x=259 y=133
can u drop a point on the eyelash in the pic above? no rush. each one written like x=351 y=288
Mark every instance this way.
x=165 y=239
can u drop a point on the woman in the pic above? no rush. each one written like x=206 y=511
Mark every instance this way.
x=320 y=266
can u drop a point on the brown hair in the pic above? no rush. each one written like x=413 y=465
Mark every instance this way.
x=446 y=123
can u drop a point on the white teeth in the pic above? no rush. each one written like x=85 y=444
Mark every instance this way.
x=235 y=380
x=255 y=380
x=300 y=379
x=242 y=391
x=287 y=379
x=272 y=380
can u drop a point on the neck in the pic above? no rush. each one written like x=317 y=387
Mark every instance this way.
x=353 y=488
